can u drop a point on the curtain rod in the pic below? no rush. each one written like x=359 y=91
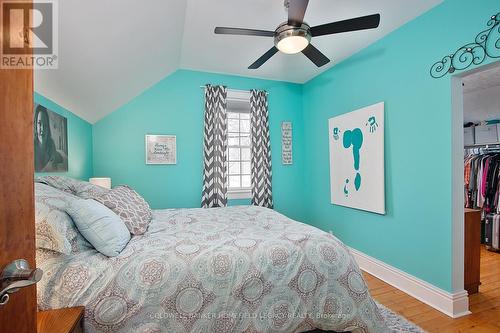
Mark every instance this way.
x=234 y=89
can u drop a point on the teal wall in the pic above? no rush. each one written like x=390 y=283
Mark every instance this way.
x=175 y=106
x=415 y=234
x=79 y=142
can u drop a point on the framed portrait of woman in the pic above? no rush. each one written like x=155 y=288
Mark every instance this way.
x=51 y=140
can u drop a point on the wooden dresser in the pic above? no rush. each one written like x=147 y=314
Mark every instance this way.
x=472 y=249
x=68 y=320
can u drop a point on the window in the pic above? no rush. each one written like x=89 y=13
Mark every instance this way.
x=239 y=145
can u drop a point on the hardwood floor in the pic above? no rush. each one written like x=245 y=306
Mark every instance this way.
x=485 y=305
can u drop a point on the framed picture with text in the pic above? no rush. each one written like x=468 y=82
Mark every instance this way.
x=161 y=149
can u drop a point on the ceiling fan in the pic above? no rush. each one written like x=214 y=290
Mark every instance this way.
x=294 y=35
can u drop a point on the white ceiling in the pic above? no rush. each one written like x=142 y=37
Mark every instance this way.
x=204 y=50
x=482 y=95
x=482 y=80
x=111 y=51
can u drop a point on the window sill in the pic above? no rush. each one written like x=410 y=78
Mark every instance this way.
x=239 y=194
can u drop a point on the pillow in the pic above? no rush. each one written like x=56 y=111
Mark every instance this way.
x=54 y=229
x=130 y=206
x=73 y=186
x=99 y=225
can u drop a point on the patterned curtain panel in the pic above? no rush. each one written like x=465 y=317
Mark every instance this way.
x=215 y=145
x=261 y=151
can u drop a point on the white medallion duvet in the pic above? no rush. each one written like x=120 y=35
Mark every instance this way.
x=235 y=269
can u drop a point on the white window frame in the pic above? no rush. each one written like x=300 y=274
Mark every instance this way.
x=242 y=192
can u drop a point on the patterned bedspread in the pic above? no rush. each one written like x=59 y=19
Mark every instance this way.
x=235 y=269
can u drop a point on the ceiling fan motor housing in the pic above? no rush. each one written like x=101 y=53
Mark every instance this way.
x=284 y=30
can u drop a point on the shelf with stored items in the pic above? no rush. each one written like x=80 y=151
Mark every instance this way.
x=487 y=133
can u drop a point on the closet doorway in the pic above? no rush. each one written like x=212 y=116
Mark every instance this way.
x=476 y=179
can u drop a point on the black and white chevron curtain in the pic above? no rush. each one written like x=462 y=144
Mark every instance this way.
x=214 y=192
x=261 y=150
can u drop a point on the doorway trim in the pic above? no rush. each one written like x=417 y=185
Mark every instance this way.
x=457 y=174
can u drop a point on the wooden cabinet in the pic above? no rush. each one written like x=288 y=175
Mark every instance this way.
x=472 y=250
x=68 y=320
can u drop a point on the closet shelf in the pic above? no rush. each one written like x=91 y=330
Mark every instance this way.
x=483 y=145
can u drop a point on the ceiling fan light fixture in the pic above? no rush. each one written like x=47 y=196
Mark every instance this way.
x=292 y=44
x=291 y=39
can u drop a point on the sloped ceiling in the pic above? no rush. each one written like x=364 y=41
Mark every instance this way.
x=111 y=51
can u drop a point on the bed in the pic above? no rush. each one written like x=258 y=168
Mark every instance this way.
x=234 y=269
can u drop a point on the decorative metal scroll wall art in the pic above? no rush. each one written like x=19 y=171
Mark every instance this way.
x=486 y=44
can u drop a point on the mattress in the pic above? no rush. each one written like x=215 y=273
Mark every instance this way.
x=234 y=269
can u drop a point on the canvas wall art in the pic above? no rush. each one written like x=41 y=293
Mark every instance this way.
x=161 y=149
x=50 y=140
x=357 y=177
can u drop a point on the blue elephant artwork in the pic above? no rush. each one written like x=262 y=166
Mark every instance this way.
x=357 y=177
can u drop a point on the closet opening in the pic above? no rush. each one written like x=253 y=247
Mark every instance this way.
x=476 y=180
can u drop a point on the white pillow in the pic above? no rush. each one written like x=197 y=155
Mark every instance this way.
x=99 y=225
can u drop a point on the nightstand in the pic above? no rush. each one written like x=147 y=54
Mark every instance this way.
x=67 y=320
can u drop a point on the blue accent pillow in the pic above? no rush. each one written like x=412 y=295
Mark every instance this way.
x=99 y=225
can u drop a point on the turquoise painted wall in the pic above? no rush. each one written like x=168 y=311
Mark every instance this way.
x=175 y=106
x=415 y=234
x=80 y=163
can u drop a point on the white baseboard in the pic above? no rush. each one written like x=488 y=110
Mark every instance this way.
x=452 y=304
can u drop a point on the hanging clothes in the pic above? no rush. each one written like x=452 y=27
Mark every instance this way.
x=482 y=190
x=481 y=181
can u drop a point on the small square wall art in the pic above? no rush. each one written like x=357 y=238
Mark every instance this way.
x=357 y=177
x=161 y=149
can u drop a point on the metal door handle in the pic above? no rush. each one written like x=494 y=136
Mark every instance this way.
x=16 y=275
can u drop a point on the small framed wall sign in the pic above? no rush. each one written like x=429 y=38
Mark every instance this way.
x=161 y=149
x=286 y=143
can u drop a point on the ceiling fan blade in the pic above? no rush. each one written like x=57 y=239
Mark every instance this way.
x=296 y=11
x=359 y=23
x=259 y=62
x=315 y=55
x=245 y=32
